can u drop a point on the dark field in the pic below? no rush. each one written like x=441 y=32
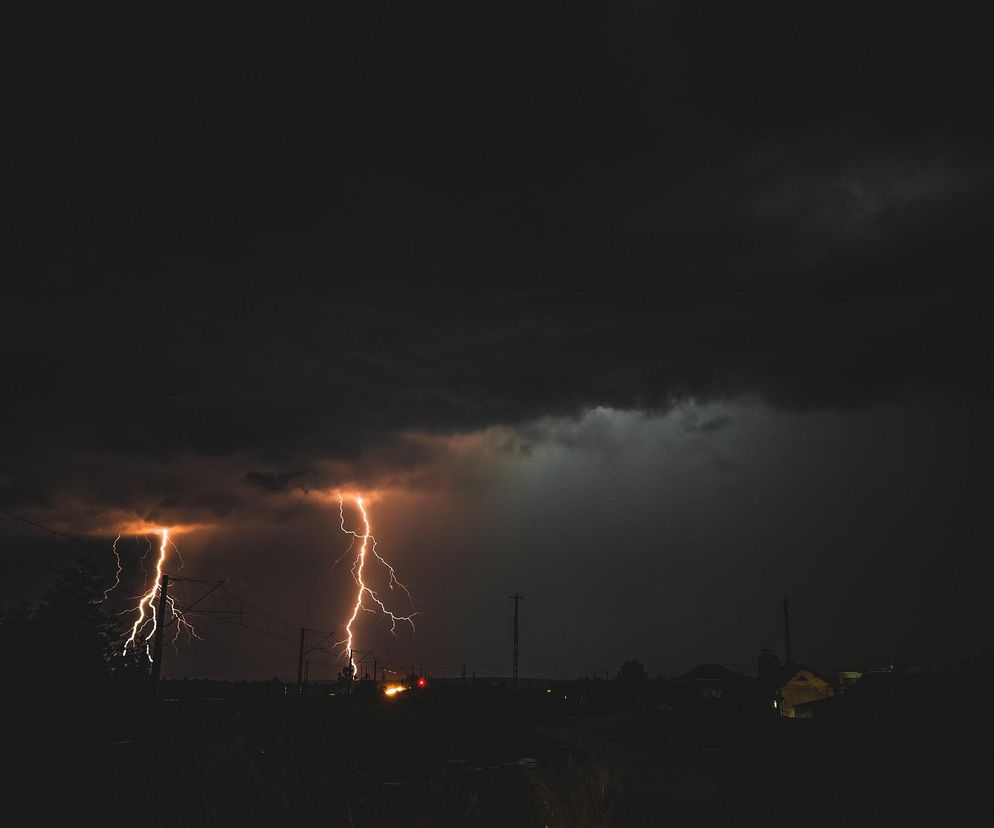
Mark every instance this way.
x=479 y=756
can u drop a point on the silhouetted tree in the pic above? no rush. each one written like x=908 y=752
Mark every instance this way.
x=76 y=625
x=983 y=662
x=632 y=674
x=631 y=683
x=60 y=658
x=69 y=638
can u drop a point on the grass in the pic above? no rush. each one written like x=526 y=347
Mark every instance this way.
x=580 y=796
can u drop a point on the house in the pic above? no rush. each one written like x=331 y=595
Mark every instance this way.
x=715 y=687
x=784 y=687
x=886 y=697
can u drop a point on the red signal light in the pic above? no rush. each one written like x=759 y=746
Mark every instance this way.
x=422 y=682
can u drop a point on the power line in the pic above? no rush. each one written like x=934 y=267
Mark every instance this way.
x=261 y=631
x=56 y=532
x=184 y=610
x=243 y=625
x=246 y=672
x=270 y=616
x=174 y=577
x=261 y=671
x=316 y=646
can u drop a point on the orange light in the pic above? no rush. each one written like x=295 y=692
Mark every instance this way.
x=393 y=689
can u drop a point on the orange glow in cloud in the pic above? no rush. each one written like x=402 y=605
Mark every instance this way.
x=138 y=526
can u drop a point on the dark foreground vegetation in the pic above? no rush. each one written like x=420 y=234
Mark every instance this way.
x=88 y=747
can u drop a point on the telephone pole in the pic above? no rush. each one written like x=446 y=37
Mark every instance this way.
x=786 y=627
x=514 y=676
x=300 y=663
x=160 y=629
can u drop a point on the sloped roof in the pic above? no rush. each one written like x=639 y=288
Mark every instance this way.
x=779 y=676
x=714 y=671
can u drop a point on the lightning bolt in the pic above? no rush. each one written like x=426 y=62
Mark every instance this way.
x=146 y=623
x=367 y=544
x=117 y=575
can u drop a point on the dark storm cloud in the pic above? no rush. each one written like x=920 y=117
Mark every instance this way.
x=284 y=241
x=716 y=423
x=275 y=481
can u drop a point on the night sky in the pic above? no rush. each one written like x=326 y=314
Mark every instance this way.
x=653 y=313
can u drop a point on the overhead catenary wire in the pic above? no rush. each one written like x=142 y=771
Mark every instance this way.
x=246 y=626
x=52 y=531
x=183 y=610
x=270 y=616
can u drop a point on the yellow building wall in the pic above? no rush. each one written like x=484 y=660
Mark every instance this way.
x=803 y=687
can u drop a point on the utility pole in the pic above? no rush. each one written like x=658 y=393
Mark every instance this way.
x=360 y=666
x=786 y=627
x=160 y=629
x=300 y=663
x=374 y=669
x=514 y=676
